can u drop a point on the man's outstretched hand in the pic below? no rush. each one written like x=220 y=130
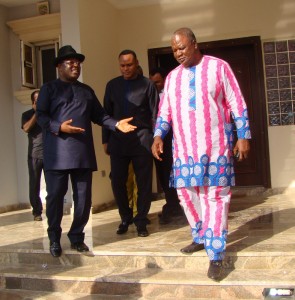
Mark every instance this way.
x=68 y=128
x=124 y=126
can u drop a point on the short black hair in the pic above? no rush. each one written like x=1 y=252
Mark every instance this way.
x=33 y=95
x=159 y=70
x=186 y=32
x=128 y=51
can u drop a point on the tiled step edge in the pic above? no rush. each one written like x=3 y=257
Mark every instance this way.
x=167 y=261
x=181 y=284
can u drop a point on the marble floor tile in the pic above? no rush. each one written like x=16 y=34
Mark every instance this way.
x=261 y=236
x=256 y=223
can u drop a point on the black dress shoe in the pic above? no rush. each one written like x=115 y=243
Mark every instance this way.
x=193 y=247
x=80 y=247
x=142 y=231
x=37 y=218
x=215 y=270
x=164 y=220
x=123 y=227
x=178 y=212
x=55 y=249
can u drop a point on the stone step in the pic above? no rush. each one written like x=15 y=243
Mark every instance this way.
x=33 y=295
x=153 y=283
x=29 y=295
x=166 y=261
x=260 y=254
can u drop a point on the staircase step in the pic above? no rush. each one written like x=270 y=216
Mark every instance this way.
x=165 y=261
x=30 y=295
x=147 y=282
x=260 y=254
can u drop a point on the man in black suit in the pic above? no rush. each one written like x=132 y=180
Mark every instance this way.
x=65 y=110
x=131 y=95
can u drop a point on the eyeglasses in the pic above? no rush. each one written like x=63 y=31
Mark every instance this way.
x=71 y=63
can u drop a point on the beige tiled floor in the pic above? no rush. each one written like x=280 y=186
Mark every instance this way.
x=256 y=223
x=259 y=224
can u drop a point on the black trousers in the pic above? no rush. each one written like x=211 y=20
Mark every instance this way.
x=163 y=169
x=57 y=186
x=143 y=166
x=35 y=167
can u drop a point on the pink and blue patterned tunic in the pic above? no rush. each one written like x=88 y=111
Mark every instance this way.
x=197 y=103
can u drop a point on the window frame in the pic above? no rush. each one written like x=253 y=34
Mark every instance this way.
x=28 y=64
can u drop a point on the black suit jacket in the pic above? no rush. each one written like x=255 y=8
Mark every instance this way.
x=59 y=101
x=135 y=98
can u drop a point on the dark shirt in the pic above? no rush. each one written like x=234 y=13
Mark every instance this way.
x=60 y=101
x=135 y=98
x=35 y=147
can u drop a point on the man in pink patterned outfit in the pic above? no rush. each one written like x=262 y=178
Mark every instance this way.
x=199 y=97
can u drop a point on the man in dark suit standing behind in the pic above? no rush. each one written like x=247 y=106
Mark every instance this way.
x=131 y=95
x=65 y=110
x=35 y=156
x=171 y=208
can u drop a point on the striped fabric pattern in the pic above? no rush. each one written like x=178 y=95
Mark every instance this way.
x=197 y=102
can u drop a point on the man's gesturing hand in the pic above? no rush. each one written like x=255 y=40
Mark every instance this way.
x=124 y=126
x=68 y=128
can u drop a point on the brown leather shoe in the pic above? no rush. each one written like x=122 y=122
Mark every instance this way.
x=193 y=247
x=215 y=270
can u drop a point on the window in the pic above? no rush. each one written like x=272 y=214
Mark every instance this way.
x=279 y=68
x=39 y=29
x=28 y=65
x=37 y=63
x=45 y=55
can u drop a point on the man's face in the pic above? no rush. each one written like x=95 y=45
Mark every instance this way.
x=128 y=66
x=69 y=70
x=34 y=105
x=158 y=81
x=184 y=50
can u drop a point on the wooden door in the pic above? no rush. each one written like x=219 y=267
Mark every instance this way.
x=245 y=58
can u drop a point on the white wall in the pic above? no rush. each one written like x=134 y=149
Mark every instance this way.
x=21 y=183
x=99 y=42
x=282 y=153
x=21 y=139
x=151 y=26
x=8 y=178
x=70 y=24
